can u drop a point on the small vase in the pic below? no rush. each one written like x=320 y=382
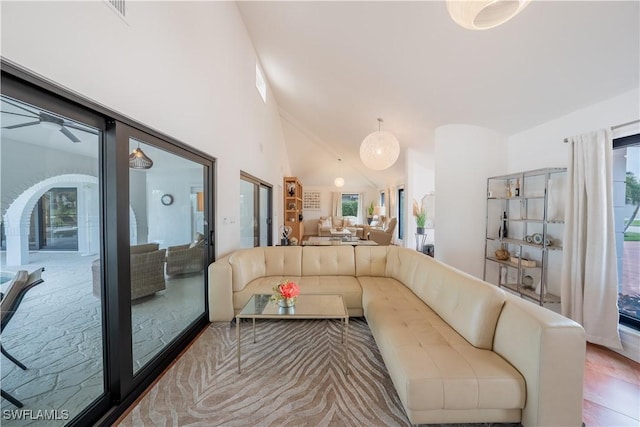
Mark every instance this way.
x=287 y=302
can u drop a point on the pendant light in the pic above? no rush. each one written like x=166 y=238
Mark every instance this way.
x=339 y=181
x=484 y=14
x=379 y=150
x=139 y=160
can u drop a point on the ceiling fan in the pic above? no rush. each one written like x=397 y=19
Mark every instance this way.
x=46 y=120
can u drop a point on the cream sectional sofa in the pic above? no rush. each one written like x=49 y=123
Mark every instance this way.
x=457 y=349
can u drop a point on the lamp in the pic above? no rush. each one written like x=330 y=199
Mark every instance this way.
x=339 y=181
x=380 y=211
x=379 y=150
x=484 y=14
x=139 y=160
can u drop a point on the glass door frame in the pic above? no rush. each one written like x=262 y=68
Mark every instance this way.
x=121 y=387
x=258 y=184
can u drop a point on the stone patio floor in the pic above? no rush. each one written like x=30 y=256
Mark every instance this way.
x=57 y=334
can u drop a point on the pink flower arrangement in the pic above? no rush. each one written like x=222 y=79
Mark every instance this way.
x=285 y=290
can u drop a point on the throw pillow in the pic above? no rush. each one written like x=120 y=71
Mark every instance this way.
x=325 y=223
x=349 y=222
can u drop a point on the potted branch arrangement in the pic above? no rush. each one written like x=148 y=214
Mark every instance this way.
x=370 y=210
x=420 y=214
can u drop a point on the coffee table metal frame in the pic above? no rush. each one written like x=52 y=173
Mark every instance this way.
x=308 y=306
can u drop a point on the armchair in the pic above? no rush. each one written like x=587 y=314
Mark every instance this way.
x=188 y=258
x=383 y=237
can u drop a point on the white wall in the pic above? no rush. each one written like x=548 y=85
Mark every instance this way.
x=420 y=181
x=465 y=157
x=184 y=68
x=543 y=146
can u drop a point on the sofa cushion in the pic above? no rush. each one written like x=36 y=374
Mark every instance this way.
x=371 y=260
x=431 y=365
x=328 y=261
x=261 y=285
x=283 y=261
x=470 y=305
x=325 y=222
x=347 y=286
x=144 y=248
x=246 y=266
x=338 y=221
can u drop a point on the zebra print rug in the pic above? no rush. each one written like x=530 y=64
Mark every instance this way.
x=292 y=376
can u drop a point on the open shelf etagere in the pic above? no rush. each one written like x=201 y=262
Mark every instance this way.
x=535 y=210
x=293 y=207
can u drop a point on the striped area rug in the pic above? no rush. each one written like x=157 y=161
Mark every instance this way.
x=292 y=376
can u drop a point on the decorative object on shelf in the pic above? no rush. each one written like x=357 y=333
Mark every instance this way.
x=285 y=293
x=166 y=199
x=502 y=254
x=420 y=213
x=379 y=150
x=483 y=14
x=291 y=189
x=528 y=282
x=293 y=242
x=285 y=232
x=503 y=230
x=528 y=238
x=291 y=206
x=339 y=181
x=139 y=160
x=508 y=190
x=537 y=238
x=524 y=262
x=517 y=190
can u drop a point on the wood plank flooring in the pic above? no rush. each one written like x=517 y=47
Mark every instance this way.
x=611 y=389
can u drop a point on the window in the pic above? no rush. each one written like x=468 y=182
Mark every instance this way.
x=350 y=204
x=626 y=194
x=382 y=198
x=261 y=84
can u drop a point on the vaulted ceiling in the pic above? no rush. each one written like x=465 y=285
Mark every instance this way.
x=334 y=67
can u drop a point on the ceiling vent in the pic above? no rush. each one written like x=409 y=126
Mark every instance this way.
x=118 y=5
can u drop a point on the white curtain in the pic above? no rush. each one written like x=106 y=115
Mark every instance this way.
x=336 y=203
x=589 y=270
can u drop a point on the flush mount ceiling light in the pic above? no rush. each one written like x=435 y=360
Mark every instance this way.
x=484 y=14
x=339 y=181
x=139 y=160
x=379 y=150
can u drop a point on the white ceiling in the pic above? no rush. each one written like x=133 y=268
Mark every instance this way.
x=334 y=67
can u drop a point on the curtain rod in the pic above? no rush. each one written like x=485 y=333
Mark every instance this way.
x=615 y=127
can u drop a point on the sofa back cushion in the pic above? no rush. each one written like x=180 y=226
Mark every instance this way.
x=371 y=260
x=328 y=261
x=469 y=305
x=246 y=265
x=283 y=261
x=338 y=221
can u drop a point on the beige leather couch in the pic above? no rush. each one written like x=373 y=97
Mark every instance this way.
x=457 y=349
x=326 y=223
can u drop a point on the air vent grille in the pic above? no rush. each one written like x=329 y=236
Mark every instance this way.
x=118 y=5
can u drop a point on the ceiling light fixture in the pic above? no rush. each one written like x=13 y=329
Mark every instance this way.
x=339 y=181
x=484 y=14
x=139 y=160
x=379 y=150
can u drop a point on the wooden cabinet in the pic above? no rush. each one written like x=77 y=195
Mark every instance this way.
x=293 y=207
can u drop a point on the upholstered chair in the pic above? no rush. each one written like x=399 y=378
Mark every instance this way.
x=384 y=237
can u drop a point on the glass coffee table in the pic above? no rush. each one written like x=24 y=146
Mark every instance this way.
x=308 y=306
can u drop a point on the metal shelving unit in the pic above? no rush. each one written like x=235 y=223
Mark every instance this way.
x=533 y=233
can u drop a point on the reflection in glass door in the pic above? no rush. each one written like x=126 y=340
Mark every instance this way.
x=168 y=249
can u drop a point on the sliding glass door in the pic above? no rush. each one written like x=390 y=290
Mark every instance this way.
x=53 y=344
x=255 y=212
x=168 y=250
x=124 y=241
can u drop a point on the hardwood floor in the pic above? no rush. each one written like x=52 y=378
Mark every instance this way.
x=611 y=389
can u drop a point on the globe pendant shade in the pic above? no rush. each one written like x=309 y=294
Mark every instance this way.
x=484 y=14
x=339 y=181
x=379 y=150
